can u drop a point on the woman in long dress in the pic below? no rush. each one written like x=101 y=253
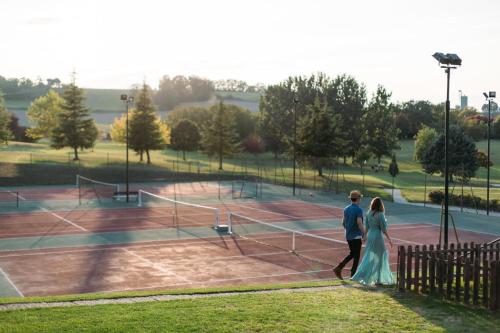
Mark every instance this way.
x=374 y=268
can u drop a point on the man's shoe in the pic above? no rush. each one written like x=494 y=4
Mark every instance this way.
x=338 y=272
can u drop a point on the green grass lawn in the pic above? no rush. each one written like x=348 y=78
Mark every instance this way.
x=111 y=156
x=340 y=310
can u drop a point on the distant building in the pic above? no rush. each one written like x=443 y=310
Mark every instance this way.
x=464 y=100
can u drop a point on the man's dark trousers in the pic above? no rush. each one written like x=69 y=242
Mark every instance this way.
x=354 y=253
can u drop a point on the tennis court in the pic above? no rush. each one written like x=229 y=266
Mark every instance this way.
x=53 y=245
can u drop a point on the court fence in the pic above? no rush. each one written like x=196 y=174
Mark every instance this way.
x=466 y=273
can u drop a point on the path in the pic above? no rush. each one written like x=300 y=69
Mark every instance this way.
x=162 y=298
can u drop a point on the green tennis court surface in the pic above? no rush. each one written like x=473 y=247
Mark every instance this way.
x=56 y=243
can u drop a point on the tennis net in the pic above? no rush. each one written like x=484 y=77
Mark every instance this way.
x=244 y=190
x=310 y=246
x=94 y=189
x=182 y=213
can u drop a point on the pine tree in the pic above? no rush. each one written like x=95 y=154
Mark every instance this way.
x=144 y=127
x=381 y=133
x=220 y=138
x=75 y=128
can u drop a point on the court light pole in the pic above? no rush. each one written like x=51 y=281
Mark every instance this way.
x=128 y=100
x=295 y=102
x=447 y=61
x=489 y=97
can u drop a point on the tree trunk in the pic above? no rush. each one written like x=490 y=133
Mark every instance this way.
x=149 y=157
x=320 y=171
x=392 y=188
x=183 y=155
x=345 y=160
x=141 y=152
x=75 y=149
x=220 y=161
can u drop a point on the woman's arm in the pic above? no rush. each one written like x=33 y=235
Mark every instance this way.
x=383 y=227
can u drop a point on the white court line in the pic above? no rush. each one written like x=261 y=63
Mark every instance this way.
x=156 y=266
x=11 y=283
x=63 y=219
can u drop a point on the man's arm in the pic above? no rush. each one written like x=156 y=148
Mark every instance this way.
x=343 y=222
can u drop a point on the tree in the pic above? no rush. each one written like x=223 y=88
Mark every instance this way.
x=482 y=159
x=220 y=138
x=381 y=131
x=318 y=136
x=145 y=132
x=393 y=171
x=118 y=128
x=495 y=128
x=44 y=113
x=475 y=129
x=254 y=144
x=244 y=120
x=424 y=139
x=18 y=132
x=179 y=89
x=462 y=155
x=5 y=133
x=75 y=128
x=185 y=136
x=411 y=116
x=199 y=116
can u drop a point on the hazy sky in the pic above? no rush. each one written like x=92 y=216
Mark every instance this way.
x=114 y=44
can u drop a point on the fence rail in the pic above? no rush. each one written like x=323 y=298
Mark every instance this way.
x=468 y=273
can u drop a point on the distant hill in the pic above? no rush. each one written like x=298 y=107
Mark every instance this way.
x=106 y=104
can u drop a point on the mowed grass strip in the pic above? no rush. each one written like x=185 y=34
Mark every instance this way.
x=342 y=310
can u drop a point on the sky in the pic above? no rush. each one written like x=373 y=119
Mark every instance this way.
x=115 y=44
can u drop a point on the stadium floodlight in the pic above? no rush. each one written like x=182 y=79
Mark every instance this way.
x=447 y=61
x=489 y=97
x=128 y=100
x=295 y=102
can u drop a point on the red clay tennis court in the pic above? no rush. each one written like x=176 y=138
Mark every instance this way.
x=163 y=246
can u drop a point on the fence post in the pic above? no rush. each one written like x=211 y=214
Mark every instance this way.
x=408 y=268
x=440 y=274
x=432 y=270
x=467 y=269
x=475 y=288
x=493 y=286
x=401 y=268
x=449 y=276
x=458 y=275
x=417 y=269
x=425 y=264
x=485 y=280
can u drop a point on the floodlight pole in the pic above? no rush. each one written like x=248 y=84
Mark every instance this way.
x=488 y=161
x=446 y=153
x=127 y=100
x=295 y=102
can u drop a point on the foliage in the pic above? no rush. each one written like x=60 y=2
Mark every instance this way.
x=18 y=132
x=118 y=128
x=185 y=136
x=145 y=133
x=468 y=200
x=393 y=167
x=44 y=113
x=199 y=116
x=461 y=155
x=423 y=140
x=412 y=116
x=232 y=85
x=179 y=89
x=362 y=157
x=5 y=119
x=74 y=128
x=381 y=131
x=219 y=137
x=26 y=89
x=318 y=135
x=254 y=144
x=244 y=120
x=482 y=159
x=495 y=128
x=476 y=130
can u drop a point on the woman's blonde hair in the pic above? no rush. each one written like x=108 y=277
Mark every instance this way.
x=377 y=205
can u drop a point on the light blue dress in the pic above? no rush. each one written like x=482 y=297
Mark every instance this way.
x=374 y=267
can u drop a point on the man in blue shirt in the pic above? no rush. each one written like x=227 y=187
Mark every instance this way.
x=354 y=231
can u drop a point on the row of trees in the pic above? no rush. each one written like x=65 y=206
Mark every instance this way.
x=26 y=89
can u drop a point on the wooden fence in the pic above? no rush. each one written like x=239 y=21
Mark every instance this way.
x=468 y=273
